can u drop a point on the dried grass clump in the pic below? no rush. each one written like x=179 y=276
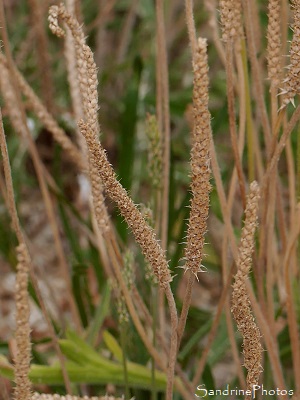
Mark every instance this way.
x=241 y=307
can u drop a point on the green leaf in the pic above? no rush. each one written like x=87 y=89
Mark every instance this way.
x=101 y=312
x=113 y=345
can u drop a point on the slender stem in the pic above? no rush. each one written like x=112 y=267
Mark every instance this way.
x=290 y=304
x=164 y=79
x=124 y=358
x=154 y=328
x=191 y=25
x=214 y=327
x=39 y=170
x=249 y=124
x=298 y=163
x=173 y=344
x=21 y=239
x=256 y=72
x=281 y=144
x=268 y=334
x=141 y=331
x=232 y=124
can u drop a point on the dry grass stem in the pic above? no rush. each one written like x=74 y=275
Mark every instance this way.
x=191 y=25
x=211 y=6
x=42 y=53
x=232 y=123
x=290 y=306
x=256 y=72
x=46 y=118
x=71 y=64
x=164 y=123
x=20 y=236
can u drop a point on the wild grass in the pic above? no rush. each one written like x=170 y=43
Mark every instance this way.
x=169 y=193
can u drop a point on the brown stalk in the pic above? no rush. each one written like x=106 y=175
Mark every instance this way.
x=71 y=64
x=20 y=236
x=268 y=335
x=242 y=125
x=213 y=22
x=232 y=188
x=25 y=47
x=144 y=235
x=126 y=32
x=148 y=343
x=140 y=305
x=290 y=161
x=214 y=327
x=50 y=124
x=270 y=249
x=290 y=304
x=37 y=20
x=102 y=15
x=281 y=144
x=269 y=340
x=39 y=171
x=256 y=72
x=87 y=76
x=227 y=221
x=232 y=123
x=163 y=117
x=229 y=320
x=189 y=15
x=162 y=72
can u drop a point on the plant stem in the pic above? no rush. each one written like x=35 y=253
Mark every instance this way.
x=124 y=358
x=154 y=328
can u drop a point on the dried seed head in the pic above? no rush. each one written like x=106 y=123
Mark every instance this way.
x=291 y=84
x=23 y=354
x=231 y=19
x=87 y=71
x=241 y=307
x=274 y=43
x=200 y=162
x=87 y=76
x=143 y=233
